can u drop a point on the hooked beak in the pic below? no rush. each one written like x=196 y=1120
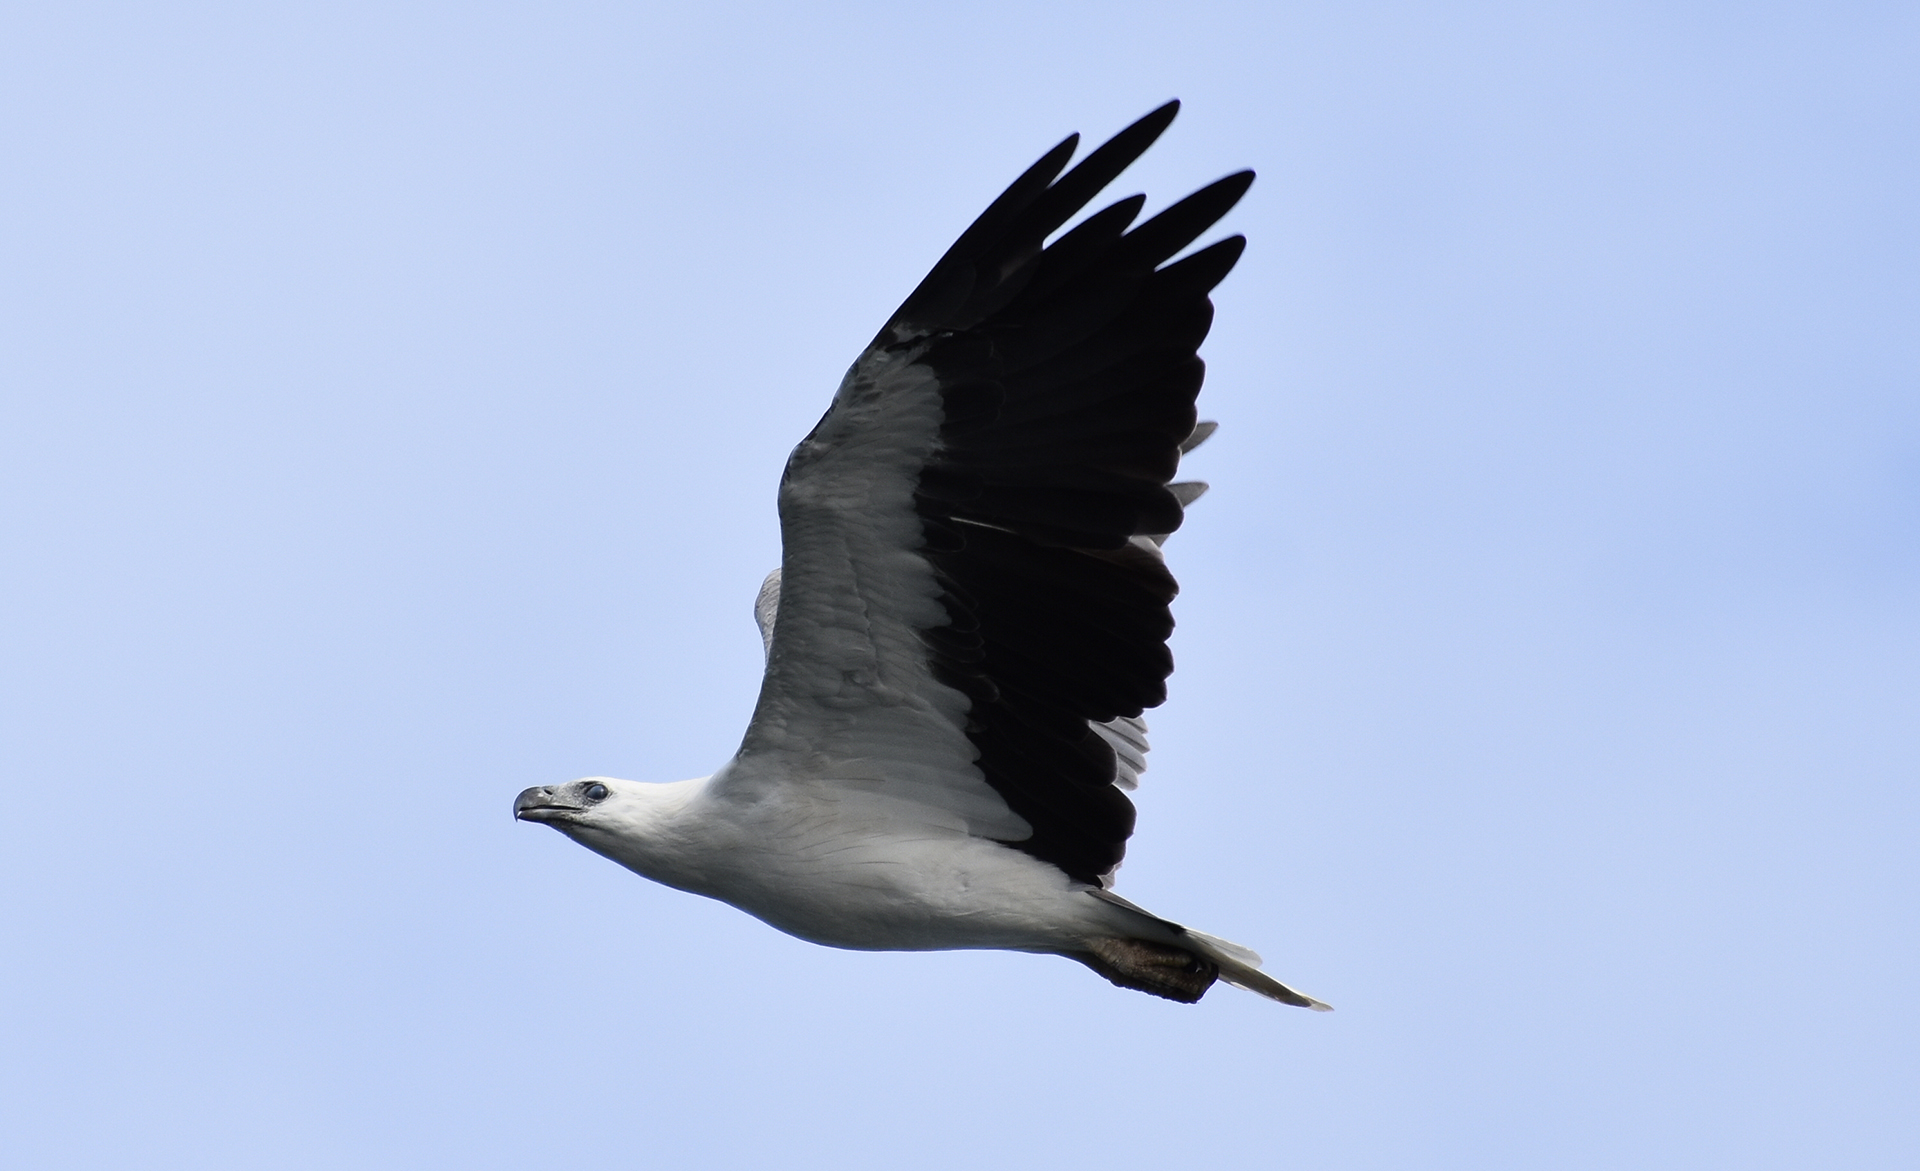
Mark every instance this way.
x=541 y=803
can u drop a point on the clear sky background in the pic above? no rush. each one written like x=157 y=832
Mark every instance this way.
x=394 y=398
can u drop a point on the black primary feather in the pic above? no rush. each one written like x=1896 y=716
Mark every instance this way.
x=1068 y=378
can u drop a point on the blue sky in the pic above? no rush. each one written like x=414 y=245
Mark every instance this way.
x=393 y=401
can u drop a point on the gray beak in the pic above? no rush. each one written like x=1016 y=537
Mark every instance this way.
x=539 y=804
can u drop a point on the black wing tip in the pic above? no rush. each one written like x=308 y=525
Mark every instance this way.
x=1238 y=182
x=1062 y=150
x=1236 y=243
x=1180 y=224
x=1142 y=133
x=1139 y=134
x=1118 y=153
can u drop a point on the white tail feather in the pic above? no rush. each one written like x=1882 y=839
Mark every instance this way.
x=1254 y=980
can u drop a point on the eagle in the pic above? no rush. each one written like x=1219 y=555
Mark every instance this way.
x=971 y=611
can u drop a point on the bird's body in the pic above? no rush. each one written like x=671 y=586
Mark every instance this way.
x=840 y=872
x=971 y=611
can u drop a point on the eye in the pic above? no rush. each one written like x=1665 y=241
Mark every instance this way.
x=596 y=792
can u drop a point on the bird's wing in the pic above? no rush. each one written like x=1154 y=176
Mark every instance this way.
x=972 y=606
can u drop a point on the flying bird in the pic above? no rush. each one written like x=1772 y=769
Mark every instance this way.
x=971 y=610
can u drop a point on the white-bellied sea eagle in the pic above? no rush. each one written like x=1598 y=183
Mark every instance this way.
x=971 y=609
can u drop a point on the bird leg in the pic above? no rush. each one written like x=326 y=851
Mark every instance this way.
x=1151 y=967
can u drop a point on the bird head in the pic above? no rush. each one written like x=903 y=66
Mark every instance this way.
x=632 y=823
x=563 y=806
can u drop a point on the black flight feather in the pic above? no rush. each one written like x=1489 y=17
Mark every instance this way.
x=1067 y=378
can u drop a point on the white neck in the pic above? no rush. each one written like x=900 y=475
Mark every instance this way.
x=646 y=828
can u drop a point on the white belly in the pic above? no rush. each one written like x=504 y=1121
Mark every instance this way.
x=830 y=875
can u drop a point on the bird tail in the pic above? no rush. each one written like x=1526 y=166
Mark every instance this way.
x=1181 y=964
x=1240 y=967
